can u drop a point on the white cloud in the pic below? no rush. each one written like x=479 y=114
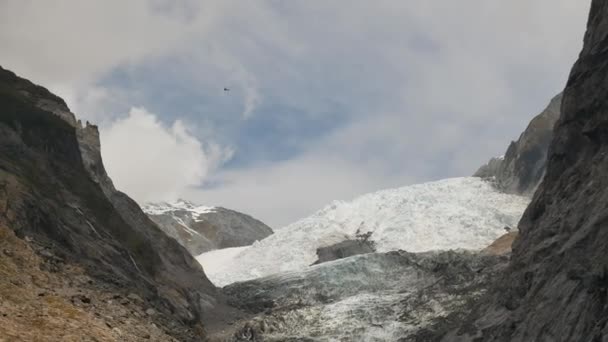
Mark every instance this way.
x=76 y=41
x=279 y=193
x=68 y=45
x=418 y=89
x=152 y=162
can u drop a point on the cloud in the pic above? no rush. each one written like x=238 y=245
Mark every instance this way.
x=152 y=162
x=69 y=45
x=76 y=41
x=329 y=99
x=280 y=193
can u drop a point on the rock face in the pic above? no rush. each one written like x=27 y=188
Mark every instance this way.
x=46 y=299
x=372 y=297
x=345 y=249
x=54 y=191
x=555 y=288
x=202 y=229
x=522 y=168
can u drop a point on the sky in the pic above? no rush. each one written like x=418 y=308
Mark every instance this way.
x=328 y=99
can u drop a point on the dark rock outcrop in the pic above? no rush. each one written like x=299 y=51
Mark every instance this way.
x=54 y=191
x=203 y=229
x=556 y=286
x=522 y=168
x=344 y=249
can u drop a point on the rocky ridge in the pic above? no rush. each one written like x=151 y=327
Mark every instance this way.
x=54 y=190
x=522 y=167
x=202 y=229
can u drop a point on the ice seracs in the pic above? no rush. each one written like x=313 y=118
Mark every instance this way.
x=394 y=296
x=459 y=213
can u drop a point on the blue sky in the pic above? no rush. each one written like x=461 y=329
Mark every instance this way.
x=328 y=99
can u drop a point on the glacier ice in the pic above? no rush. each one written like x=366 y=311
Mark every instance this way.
x=372 y=297
x=458 y=213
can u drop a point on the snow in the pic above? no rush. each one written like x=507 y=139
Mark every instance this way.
x=187 y=229
x=215 y=261
x=457 y=213
x=179 y=205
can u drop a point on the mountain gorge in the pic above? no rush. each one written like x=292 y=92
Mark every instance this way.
x=104 y=255
x=514 y=253
x=552 y=287
x=521 y=169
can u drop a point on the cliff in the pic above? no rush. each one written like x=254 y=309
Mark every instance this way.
x=56 y=196
x=556 y=285
x=522 y=167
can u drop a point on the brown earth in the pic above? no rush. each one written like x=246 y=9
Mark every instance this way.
x=502 y=245
x=44 y=299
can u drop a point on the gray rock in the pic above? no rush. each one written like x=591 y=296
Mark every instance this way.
x=135 y=298
x=522 y=168
x=555 y=287
x=201 y=232
x=344 y=249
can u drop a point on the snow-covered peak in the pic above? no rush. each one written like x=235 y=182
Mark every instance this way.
x=161 y=208
x=458 y=213
x=202 y=228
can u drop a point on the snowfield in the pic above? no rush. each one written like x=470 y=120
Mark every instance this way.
x=216 y=261
x=458 y=213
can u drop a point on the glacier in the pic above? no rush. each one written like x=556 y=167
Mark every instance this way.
x=458 y=213
x=394 y=296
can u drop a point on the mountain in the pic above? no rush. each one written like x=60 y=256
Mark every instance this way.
x=94 y=258
x=522 y=167
x=202 y=229
x=555 y=287
x=465 y=213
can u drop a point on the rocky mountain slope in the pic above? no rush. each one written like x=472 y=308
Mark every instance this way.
x=46 y=299
x=202 y=229
x=522 y=167
x=56 y=196
x=466 y=213
x=555 y=288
